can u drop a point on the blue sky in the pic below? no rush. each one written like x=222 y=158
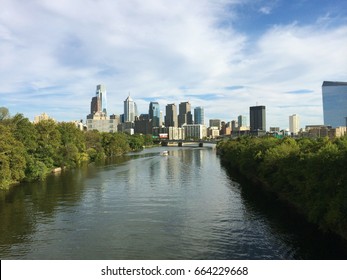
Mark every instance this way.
x=225 y=55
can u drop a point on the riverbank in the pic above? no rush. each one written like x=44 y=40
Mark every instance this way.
x=307 y=174
x=29 y=152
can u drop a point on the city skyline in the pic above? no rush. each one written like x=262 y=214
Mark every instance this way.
x=224 y=55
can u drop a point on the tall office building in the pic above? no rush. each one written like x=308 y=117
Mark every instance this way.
x=130 y=110
x=294 y=124
x=242 y=121
x=257 y=118
x=185 y=114
x=102 y=99
x=171 y=115
x=98 y=119
x=95 y=105
x=335 y=103
x=98 y=107
x=154 y=113
x=199 y=115
x=99 y=103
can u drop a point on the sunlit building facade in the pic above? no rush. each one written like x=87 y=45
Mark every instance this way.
x=129 y=110
x=294 y=124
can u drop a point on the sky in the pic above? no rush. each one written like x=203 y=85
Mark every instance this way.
x=224 y=55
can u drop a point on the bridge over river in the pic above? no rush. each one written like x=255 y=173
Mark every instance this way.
x=180 y=143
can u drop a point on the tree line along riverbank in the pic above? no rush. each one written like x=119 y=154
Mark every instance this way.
x=31 y=151
x=309 y=174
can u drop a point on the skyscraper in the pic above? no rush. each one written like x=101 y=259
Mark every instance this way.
x=98 y=108
x=257 y=117
x=99 y=103
x=242 y=121
x=154 y=113
x=294 y=124
x=95 y=105
x=185 y=114
x=335 y=103
x=101 y=95
x=199 y=115
x=98 y=119
x=171 y=115
x=129 y=110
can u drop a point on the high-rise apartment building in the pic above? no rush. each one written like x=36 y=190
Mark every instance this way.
x=42 y=117
x=185 y=114
x=130 y=110
x=199 y=115
x=335 y=103
x=294 y=124
x=171 y=115
x=257 y=116
x=154 y=114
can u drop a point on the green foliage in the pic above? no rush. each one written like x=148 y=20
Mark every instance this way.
x=72 y=151
x=93 y=141
x=310 y=174
x=114 y=144
x=35 y=170
x=136 y=142
x=148 y=139
x=30 y=151
x=49 y=141
x=12 y=158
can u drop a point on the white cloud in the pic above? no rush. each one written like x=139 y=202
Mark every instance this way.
x=265 y=10
x=167 y=50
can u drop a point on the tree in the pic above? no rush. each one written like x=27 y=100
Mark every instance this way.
x=94 y=146
x=12 y=158
x=136 y=142
x=73 y=146
x=114 y=144
x=49 y=141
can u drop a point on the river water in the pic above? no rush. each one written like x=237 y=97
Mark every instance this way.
x=149 y=206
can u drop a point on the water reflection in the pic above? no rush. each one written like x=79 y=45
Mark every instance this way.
x=148 y=206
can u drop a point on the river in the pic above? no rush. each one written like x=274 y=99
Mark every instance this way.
x=148 y=206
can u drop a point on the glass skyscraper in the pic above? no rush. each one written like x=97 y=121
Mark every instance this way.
x=199 y=116
x=242 y=121
x=154 y=114
x=101 y=95
x=335 y=103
